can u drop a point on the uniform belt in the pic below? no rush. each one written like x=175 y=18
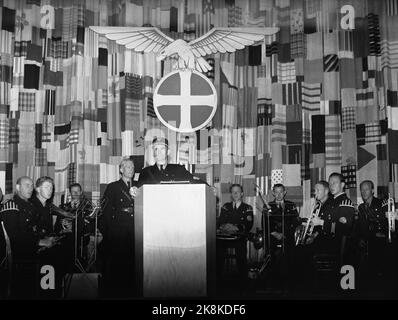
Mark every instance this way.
x=128 y=210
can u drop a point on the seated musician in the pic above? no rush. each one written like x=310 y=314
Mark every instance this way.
x=322 y=224
x=78 y=201
x=18 y=219
x=235 y=222
x=85 y=227
x=59 y=255
x=281 y=220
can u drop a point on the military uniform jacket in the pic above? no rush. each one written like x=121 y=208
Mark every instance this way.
x=172 y=172
x=372 y=219
x=241 y=217
x=290 y=219
x=118 y=207
x=44 y=220
x=325 y=214
x=342 y=206
x=18 y=217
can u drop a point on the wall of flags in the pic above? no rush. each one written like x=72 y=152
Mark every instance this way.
x=309 y=101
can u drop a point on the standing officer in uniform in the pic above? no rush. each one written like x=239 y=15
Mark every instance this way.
x=18 y=218
x=283 y=219
x=162 y=170
x=342 y=210
x=236 y=220
x=117 y=228
x=371 y=230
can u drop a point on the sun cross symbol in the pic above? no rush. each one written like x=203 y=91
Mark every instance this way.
x=186 y=100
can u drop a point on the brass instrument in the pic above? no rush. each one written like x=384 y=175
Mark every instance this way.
x=57 y=211
x=390 y=217
x=303 y=232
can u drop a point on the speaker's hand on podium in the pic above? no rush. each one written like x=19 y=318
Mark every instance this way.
x=133 y=191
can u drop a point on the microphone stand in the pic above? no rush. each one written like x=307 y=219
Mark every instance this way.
x=283 y=229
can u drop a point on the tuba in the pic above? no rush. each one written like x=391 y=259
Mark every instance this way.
x=304 y=231
x=390 y=217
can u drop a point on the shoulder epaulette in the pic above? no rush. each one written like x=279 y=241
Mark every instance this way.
x=346 y=203
x=290 y=203
x=9 y=205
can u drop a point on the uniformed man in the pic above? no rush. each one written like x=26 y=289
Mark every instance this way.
x=19 y=225
x=117 y=228
x=81 y=206
x=162 y=170
x=41 y=203
x=372 y=232
x=320 y=246
x=60 y=255
x=342 y=211
x=235 y=220
x=281 y=220
x=322 y=235
x=77 y=201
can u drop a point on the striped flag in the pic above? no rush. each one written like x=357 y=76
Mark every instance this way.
x=332 y=140
x=311 y=96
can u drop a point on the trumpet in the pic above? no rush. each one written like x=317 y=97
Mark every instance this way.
x=305 y=231
x=390 y=217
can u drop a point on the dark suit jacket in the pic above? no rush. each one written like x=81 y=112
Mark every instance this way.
x=172 y=172
x=19 y=221
x=117 y=198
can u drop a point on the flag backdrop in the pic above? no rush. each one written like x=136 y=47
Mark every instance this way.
x=309 y=101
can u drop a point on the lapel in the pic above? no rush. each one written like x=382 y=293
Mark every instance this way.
x=125 y=189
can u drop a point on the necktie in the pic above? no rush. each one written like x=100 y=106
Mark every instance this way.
x=128 y=185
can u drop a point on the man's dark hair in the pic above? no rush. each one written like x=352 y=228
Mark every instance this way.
x=76 y=184
x=324 y=183
x=278 y=185
x=41 y=180
x=369 y=182
x=338 y=175
x=235 y=185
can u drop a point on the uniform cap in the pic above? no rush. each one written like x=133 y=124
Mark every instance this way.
x=160 y=140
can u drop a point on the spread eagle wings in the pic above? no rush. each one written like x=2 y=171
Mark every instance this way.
x=190 y=54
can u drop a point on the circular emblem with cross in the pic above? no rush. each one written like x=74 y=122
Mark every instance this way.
x=185 y=100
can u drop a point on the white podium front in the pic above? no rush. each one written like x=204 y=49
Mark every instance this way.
x=175 y=229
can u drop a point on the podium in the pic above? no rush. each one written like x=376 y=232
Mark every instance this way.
x=175 y=237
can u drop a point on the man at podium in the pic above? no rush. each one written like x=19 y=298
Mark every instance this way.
x=162 y=170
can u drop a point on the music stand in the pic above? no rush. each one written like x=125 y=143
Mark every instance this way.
x=78 y=263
